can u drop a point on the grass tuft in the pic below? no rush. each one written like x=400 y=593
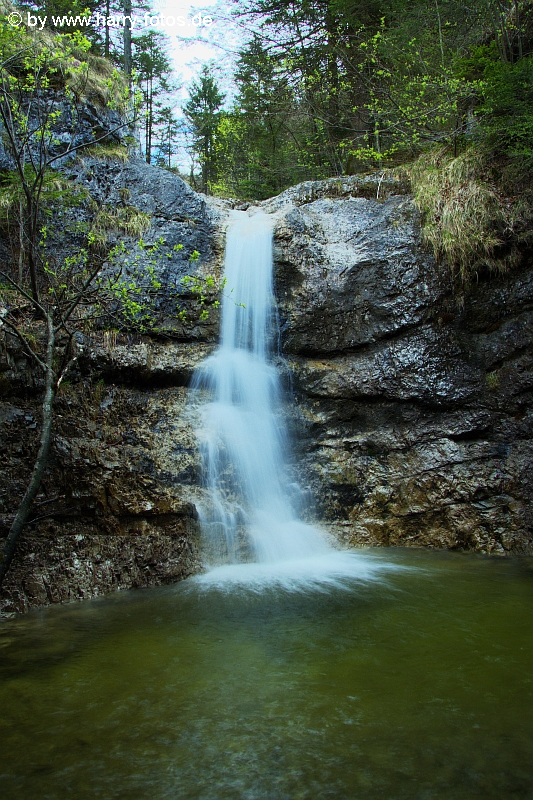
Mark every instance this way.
x=88 y=77
x=469 y=221
x=126 y=219
x=107 y=152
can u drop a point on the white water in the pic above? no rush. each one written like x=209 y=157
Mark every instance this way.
x=248 y=520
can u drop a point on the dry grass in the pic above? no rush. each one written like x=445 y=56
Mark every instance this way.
x=107 y=152
x=97 y=80
x=466 y=219
x=126 y=219
x=88 y=76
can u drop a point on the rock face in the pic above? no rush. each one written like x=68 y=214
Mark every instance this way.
x=178 y=218
x=410 y=408
x=117 y=507
x=413 y=408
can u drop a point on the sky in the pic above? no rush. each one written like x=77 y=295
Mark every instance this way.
x=217 y=38
x=198 y=34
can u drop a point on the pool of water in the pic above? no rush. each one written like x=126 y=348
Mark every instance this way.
x=414 y=681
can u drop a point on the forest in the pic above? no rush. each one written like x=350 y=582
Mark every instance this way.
x=328 y=87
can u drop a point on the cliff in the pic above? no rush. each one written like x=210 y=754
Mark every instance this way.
x=410 y=408
x=413 y=406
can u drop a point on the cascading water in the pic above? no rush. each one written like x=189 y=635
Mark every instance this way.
x=248 y=519
x=242 y=437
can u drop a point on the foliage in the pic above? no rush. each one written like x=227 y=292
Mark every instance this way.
x=37 y=104
x=256 y=150
x=204 y=289
x=49 y=297
x=493 y=380
x=376 y=82
x=505 y=109
x=61 y=61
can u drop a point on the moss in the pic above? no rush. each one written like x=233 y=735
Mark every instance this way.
x=493 y=380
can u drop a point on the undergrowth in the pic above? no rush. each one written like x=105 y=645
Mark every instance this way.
x=473 y=216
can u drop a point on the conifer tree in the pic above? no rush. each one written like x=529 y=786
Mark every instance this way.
x=203 y=114
x=168 y=128
x=153 y=69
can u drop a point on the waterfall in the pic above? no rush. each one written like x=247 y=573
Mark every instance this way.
x=248 y=518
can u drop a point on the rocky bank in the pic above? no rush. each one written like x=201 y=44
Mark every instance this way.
x=410 y=407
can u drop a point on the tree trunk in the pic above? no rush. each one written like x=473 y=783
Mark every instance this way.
x=21 y=516
x=150 y=121
x=206 y=171
x=127 y=38
x=33 y=245
x=107 y=37
x=22 y=253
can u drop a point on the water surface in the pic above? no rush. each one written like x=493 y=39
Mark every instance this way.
x=411 y=683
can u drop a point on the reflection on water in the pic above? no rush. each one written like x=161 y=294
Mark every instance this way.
x=416 y=683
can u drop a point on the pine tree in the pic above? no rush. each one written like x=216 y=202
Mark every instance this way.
x=168 y=128
x=153 y=68
x=202 y=112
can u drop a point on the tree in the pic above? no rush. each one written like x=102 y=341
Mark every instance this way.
x=202 y=112
x=32 y=88
x=48 y=295
x=153 y=69
x=34 y=83
x=311 y=42
x=257 y=145
x=168 y=128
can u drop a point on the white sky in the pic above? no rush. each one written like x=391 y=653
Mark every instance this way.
x=192 y=46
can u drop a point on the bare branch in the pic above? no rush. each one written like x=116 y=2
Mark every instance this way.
x=35 y=303
x=29 y=350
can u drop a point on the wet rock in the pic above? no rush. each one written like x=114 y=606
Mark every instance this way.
x=81 y=564
x=411 y=407
x=122 y=477
x=351 y=272
x=147 y=362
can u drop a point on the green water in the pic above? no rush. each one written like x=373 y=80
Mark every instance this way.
x=417 y=685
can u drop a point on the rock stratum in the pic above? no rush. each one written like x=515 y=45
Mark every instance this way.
x=410 y=407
